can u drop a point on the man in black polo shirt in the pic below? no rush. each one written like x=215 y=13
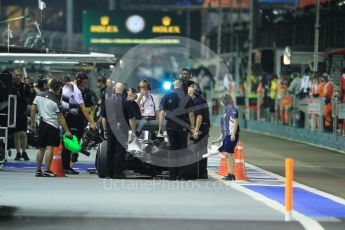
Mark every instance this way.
x=48 y=106
x=102 y=86
x=174 y=108
x=131 y=96
x=202 y=125
x=117 y=118
x=90 y=101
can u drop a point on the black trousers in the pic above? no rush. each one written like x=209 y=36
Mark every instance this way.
x=301 y=120
x=76 y=126
x=201 y=148
x=116 y=155
x=178 y=141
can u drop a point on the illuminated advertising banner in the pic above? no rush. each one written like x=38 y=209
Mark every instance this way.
x=303 y=3
x=101 y=28
x=227 y=3
x=245 y=3
x=288 y=2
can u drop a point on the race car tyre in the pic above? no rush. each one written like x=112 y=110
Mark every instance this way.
x=102 y=159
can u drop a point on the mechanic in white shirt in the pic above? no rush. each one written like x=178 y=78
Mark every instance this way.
x=75 y=113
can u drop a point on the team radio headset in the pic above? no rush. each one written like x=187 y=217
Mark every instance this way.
x=80 y=76
x=226 y=99
x=147 y=83
x=196 y=89
x=55 y=84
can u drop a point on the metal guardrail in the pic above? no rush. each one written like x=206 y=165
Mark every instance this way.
x=289 y=109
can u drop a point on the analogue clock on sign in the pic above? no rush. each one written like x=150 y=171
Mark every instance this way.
x=135 y=23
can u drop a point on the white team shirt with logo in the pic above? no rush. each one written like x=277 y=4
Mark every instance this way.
x=72 y=93
x=150 y=103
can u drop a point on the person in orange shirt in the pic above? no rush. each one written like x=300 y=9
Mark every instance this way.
x=260 y=92
x=327 y=109
x=285 y=100
x=342 y=94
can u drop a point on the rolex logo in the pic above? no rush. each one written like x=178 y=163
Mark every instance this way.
x=166 y=21
x=104 y=20
x=166 y=27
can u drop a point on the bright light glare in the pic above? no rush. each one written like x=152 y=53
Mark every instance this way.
x=55 y=62
x=167 y=85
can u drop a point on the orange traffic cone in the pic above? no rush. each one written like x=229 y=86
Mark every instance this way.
x=223 y=166
x=56 y=165
x=240 y=168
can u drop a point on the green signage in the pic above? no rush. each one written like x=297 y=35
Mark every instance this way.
x=102 y=28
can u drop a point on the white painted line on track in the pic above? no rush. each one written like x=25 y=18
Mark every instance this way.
x=307 y=222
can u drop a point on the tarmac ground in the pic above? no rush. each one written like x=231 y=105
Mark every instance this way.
x=91 y=203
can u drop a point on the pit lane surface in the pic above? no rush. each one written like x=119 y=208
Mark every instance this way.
x=91 y=203
x=316 y=167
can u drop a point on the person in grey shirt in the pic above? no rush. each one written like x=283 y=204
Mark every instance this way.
x=48 y=106
x=295 y=89
x=295 y=85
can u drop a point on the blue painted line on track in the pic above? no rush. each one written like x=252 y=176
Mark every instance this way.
x=305 y=202
x=30 y=166
x=262 y=178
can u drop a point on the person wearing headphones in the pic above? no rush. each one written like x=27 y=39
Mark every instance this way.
x=147 y=101
x=186 y=75
x=230 y=132
x=201 y=127
x=175 y=109
x=48 y=106
x=75 y=113
x=117 y=119
x=131 y=96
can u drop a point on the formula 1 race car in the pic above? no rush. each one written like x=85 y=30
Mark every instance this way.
x=145 y=157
